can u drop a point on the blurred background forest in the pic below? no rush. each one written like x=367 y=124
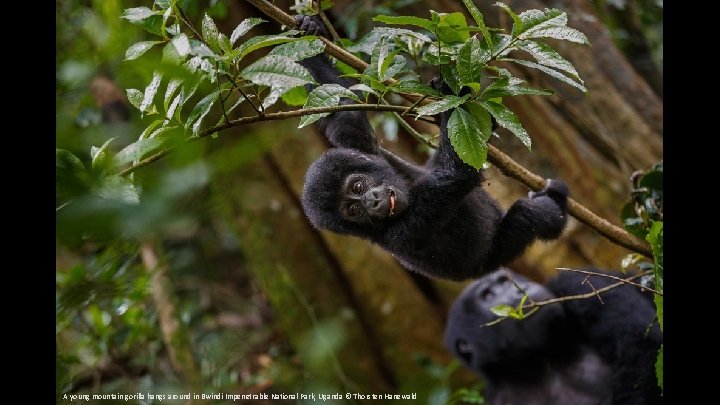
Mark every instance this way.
x=243 y=295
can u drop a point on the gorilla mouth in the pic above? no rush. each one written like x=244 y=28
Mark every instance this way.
x=392 y=202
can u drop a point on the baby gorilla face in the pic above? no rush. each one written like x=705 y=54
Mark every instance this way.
x=366 y=199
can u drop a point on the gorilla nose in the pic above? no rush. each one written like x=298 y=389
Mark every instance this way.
x=372 y=200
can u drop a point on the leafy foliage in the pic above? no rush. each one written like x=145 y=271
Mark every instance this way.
x=643 y=217
x=462 y=52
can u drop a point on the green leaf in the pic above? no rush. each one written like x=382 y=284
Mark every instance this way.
x=445 y=104
x=547 y=56
x=136 y=50
x=392 y=66
x=150 y=91
x=363 y=88
x=413 y=87
x=507 y=119
x=367 y=43
x=136 y=150
x=467 y=138
x=277 y=71
x=200 y=111
x=299 y=50
x=517 y=22
x=482 y=117
x=503 y=310
x=210 y=33
x=263 y=41
x=478 y=17
x=225 y=44
x=151 y=21
x=170 y=90
x=550 y=72
x=150 y=128
x=181 y=44
x=327 y=95
x=471 y=59
x=564 y=33
x=534 y=20
x=98 y=155
x=451 y=77
x=511 y=86
x=135 y=97
x=137 y=14
x=655 y=238
x=502 y=42
x=406 y=20
x=452 y=27
x=178 y=101
x=296 y=96
x=71 y=177
x=374 y=83
x=245 y=26
x=117 y=188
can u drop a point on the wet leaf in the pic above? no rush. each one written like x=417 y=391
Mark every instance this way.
x=480 y=21
x=467 y=139
x=550 y=72
x=507 y=119
x=547 y=56
x=136 y=50
x=263 y=41
x=299 y=50
x=327 y=95
x=445 y=104
x=406 y=20
x=210 y=33
x=150 y=91
x=511 y=86
x=242 y=28
x=200 y=111
x=471 y=59
x=563 y=33
x=277 y=71
x=413 y=87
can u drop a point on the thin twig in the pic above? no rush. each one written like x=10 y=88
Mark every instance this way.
x=200 y=38
x=328 y=25
x=534 y=307
x=507 y=166
x=586 y=295
x=222 y=102
x=591 y=273
x=281 y=115
x=415 y=104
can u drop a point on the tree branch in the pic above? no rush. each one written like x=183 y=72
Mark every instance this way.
x=281 y=115
x=624 y=280
x=535 y=306
x=507 y=166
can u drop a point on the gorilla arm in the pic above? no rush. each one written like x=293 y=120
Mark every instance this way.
x=346 y=129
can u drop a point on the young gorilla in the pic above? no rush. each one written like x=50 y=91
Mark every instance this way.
x=578 y=352
x=435 y=219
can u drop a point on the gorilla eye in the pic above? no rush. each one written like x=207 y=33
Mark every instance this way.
x=503 y=279
x=358 y=186
x=486 y=294
x=354 y=210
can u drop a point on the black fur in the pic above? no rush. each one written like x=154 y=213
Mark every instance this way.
x=447 y=225
x=573 y=353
